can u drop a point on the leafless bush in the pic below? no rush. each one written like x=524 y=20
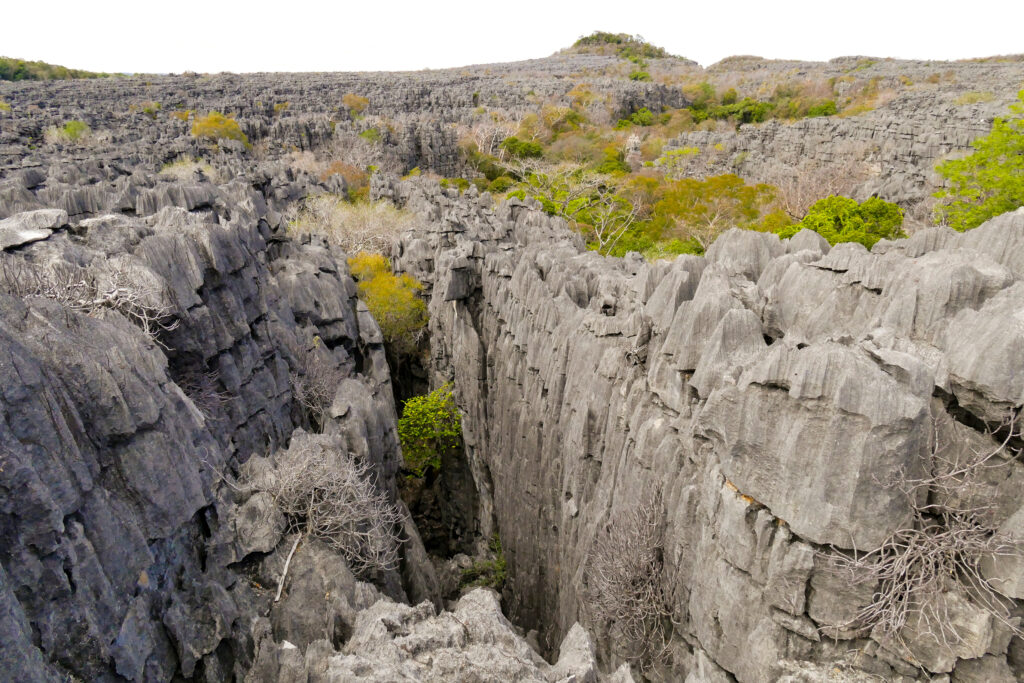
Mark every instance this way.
x=202 y=389
x=329 y=495
x=349 y=147
x=189 y=169
x=123 y=288
x=316 y=385
x=809 y=183
x=624 y=582
x=355 y=227
x=940 y=552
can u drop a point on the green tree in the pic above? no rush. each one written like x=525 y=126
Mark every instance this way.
x=991 y=180
x=700 y=210
x=841 y=219
x=429 y=426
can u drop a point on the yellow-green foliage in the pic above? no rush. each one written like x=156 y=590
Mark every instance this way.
x=70 y=132
x=990 y=181
x=182 y=115
x=392 y=301
x=281 y=106
x=356 y=104
x=974 y=97
x=841 y=219
x=4 y=106
x=216 y=126
x=430 y=425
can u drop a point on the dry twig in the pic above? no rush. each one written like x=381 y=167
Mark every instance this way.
x=624 y=582
x=328 y=494
x=940 y=552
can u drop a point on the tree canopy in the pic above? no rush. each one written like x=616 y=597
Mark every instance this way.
x=989 y=181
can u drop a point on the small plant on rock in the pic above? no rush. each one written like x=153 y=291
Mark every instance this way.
x=70 y=132
x=216 y=126
x=392 y=300
x=429 y=426
x=490 y=573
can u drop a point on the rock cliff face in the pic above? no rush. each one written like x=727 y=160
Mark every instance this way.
x=764 y=394
x=125 y=548
x=761 y=400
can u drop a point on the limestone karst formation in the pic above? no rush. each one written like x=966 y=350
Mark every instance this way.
x=761 y=415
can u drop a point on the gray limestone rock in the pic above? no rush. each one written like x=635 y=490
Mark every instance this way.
x=30 y=226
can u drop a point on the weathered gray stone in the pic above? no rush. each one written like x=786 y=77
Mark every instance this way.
x=258 y=525
x=1005 y=571
x=30 y=226
x=988 y=669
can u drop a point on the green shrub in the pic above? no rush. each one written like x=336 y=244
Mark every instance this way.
x=522 y=149
x=430 y=425
x=20 y=70
x=216 y=126
x=988 y=182
x=484 y=163
x=642 y=117
x=826 y=108
x=841 y=219
x=614 y=161
x=501 y=184
x=639 y=76
x=392 y=301
x=4 y=106
x=490 y=573
x=70 y=132
x=461 y=183
x=75 y=130
x=150 y=109
x=371 y=135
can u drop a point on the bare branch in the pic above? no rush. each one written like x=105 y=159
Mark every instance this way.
x=327 y=494
x=128 y=289
x=918 y=567
x=624 y=582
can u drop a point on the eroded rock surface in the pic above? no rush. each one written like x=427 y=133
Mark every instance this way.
x=769 y=394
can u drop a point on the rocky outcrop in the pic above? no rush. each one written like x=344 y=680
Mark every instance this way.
x=119 y=551
x=154 y=325
x=473 y=641
x=920 y=114
x=767 y=395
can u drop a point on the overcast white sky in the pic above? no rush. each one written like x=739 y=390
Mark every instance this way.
x=370 y=35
